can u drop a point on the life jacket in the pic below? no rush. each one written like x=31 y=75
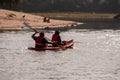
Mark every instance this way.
x=39 y=40
x=55 y=38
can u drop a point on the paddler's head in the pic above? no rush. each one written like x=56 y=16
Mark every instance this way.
x=57 y=32
x=42 y=34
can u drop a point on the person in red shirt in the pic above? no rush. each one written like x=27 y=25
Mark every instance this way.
x=56 y=39
x=40 y=41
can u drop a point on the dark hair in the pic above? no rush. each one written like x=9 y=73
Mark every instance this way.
x=57 y=32
x=41 y=34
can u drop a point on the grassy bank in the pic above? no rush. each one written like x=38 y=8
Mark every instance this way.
x=76 y=15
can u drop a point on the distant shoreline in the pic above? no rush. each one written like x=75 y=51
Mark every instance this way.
x=12 y=20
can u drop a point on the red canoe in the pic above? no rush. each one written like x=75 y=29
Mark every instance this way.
x=68 y=44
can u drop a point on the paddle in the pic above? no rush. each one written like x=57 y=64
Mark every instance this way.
x=30 y=27
x=60 y=46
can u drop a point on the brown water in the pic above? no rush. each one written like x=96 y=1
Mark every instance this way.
x=95 y=56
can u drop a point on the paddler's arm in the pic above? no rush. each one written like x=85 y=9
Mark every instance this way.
x=59 y=39
x=46 y=41
x=33 y=36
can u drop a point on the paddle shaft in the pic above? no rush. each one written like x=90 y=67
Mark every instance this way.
x=30 y=27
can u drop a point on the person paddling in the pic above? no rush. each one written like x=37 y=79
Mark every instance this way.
x=40 y=41
x=56 y=39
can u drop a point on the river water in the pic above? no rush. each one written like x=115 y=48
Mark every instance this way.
x=95 y=54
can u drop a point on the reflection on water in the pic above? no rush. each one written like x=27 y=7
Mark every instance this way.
x=95 y=56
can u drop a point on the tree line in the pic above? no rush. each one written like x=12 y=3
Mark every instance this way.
x=9 y=3
x=108 y=6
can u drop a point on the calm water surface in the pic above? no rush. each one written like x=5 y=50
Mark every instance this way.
x=95 y=55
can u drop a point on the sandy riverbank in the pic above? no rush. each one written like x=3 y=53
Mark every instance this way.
x=12 y=20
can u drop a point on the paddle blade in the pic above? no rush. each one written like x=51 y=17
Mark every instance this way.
x=62 y=47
